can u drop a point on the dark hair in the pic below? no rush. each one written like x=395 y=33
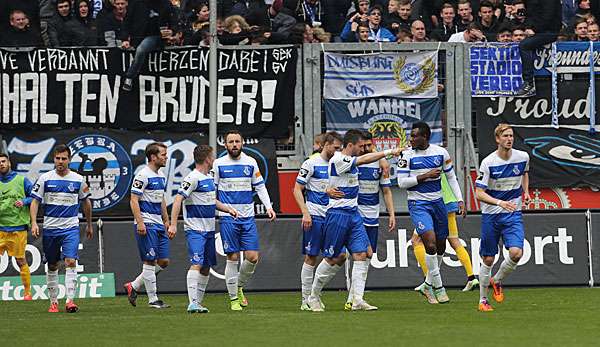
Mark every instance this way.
x=367 y=135
x=404 y=3
x=353 y=136
x=518 y=27
x=232 y=132
x=504 y=28
x=486 y=3
x=463 y=2
x=62 y=1
x=12 y=13
x=447 y=5
x=154 y=149
x=424 y=129
x=201 y=152
x=376 y=7
x=4 y=155
x=332 y=136
x=62 y=148
x=474 y=26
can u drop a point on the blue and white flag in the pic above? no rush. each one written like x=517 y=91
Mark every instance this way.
x=396 y=74
x=591 y=95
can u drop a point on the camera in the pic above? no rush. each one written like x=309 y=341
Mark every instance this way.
x=521 y=12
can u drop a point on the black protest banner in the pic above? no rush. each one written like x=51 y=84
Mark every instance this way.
x=81 y=87
x=565 y=157
x=109 y=159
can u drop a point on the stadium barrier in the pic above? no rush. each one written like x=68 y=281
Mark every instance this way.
x=557 y=251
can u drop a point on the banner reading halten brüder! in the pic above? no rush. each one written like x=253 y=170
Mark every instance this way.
x=404 y=75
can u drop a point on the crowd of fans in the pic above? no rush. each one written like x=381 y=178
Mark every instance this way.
x=124 y=23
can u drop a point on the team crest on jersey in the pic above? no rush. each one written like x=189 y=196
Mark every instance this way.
x=516 y=170
x=71 y=187
x=105 y=166
x=246 y=171
x=375 y=174
x=437 y=161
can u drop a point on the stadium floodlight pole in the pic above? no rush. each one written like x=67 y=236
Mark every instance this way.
x=212 y=76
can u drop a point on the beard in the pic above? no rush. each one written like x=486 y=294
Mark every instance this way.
x=234 y=153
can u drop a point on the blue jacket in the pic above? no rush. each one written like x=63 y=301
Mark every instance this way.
x=381 y=35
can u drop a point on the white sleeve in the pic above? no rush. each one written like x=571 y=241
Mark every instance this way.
x=405 y=180
x=84 y=191
x=140 y=181
x=259 y=186
x=344 y=163
x=305 y=173
x=188 y=185
x=483 y=177
x=453 y=183
x=37 y=192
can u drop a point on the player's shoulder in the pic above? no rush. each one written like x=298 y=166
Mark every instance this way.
x=437 y=149
x=246 y=159
x=74 y=176
x=520 y=155
x=47 y=175
x=490 y=159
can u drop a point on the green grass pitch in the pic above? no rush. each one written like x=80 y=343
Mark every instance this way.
x=528 y=317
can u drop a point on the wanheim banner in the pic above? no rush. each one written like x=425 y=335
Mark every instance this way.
x=81 y=87
x=400 y=74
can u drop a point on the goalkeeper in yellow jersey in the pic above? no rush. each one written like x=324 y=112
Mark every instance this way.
x=453 y=206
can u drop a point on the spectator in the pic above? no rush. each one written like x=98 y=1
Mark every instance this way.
x=519 y=14
x=29 y=7
x=320 y=35
x=236 y=31
x=47 y=14
x=309 y=12
x=86 y=31
x=309 y=35
x=547 y=24
x=448 y=25
x=401 y=18
x=564 y=35
x=20 y=33
x=363 y=33
x=61 y=27
x=473 y=33
x=377 y=33
x=569 y=7
x=361 y=14
x=297 y=34
x=110 y=23
x=272 y=20
x=589 y=18
x=465 y=14
x=593 y=32
x=529 y=30
x=146 y=25
x=580 y=30
x=417 y=29
x=202 y=14
x=404 y=36
x=518 y=33
x=504 y=34
x=488 y=21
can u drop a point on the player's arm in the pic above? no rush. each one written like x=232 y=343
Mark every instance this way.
x=137 y=189
x=405 y=180
x=175 y=209
x=33 y=210
x=164 y=213
x=525 y=183
x=87 y=212
x=299 y=197
x=481 y=185
x=453 y=183
x=259 y=185
x=26 y=201
x=375 y=156
x=37 y=193
x=227 y=209
x=388 y=200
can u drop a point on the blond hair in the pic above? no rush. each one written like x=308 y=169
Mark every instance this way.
x=502 y=127
x=231 y=20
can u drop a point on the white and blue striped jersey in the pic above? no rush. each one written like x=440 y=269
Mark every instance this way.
x=199 y=206
x=370 y=178
x=235 y=180
x=343 y=175
x=502 y=179
x=150 y=187
x=60 y=197
x=415 y=162
x=313 y=175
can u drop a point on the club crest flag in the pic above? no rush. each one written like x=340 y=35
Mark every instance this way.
x=397 y=74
